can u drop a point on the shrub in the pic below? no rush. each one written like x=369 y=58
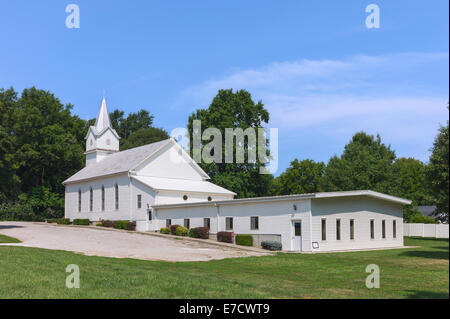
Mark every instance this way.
x=173 y=229
x=120 y=224
x=164 y=230
x=271 y=245
x=63 y=221
x=225 y=237
x=191 y=233
x=81 y=221
x=131 y=226
x=51 y=220
x=244 y=240
x=200 y=232
x=420 y=219
x=107 y=223
x=181 y=231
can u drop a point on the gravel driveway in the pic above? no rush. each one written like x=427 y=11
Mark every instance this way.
x=102 y=242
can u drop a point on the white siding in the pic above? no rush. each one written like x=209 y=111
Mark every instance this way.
x=168 y=164
x=362 y=210
x=110 y=213
x=175 y=197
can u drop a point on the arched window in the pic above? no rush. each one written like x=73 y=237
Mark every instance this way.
x=103 y=197
x=91 y=199
x=116 y=191
x=79 y=200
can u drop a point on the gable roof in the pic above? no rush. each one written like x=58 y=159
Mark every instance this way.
x=174 y=184
x=120 y=162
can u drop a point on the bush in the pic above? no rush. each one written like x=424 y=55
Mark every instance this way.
x=107 y=223
x=271 y=245
x=173 y=229
x=120 y=224
x=51 y=220
x=131 y=226
x=191 y=233
x=200 y=232
x=164 y=230
x=244 y=240
x=225 y=237
x=420 y=219
x=181 y=231
x=63 y=221
x=81 y=221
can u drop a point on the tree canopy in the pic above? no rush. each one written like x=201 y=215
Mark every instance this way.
x=233 y=110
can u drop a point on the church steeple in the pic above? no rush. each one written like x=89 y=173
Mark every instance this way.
x=101 y=139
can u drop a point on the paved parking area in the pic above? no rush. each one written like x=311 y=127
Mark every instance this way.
x=102 y=242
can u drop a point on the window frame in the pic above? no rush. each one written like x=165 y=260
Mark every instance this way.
x=116 y=196
x=229 y=223
x=91 y=199
x=79 y=200
x=383 y=229
x=323 y=222
x=139 y=201
x=338 y=229
x=254 y=222
x=103 y=198
x=168 y=222
x=187 y=223
x=394 y=228
x=352 y=229
x=372 y=229
x=207 y=222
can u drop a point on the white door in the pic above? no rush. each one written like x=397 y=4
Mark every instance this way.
x=297 y=238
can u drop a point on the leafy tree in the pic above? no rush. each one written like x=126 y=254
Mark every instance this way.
x=366 y=163
x=299 y=178
x=409 y=181
x=144 y=136
x=234 y=110
x=438 y=173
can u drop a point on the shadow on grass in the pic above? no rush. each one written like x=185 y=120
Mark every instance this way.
x=415 y=294
x=430 y=239
x=9 y=226
x=426 y=254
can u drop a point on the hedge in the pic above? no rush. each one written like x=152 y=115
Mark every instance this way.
x=271 y=245
x=181 y=231
x=244 y=240
x=81 y=221
x=200 y=232
x=120 y=224
x=225 y=237
x=63 y=221
x=191 y=233
x=164 y=230
x=51 y=220
x=173 y=229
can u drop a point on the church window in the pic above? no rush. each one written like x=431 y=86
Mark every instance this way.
x=103 y=197
x=139 y=201
x=91 y=199
x=79 y=200
x=116 y=191
x=185 y=197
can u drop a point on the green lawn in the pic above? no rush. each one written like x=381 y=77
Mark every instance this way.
x=6 y=239
x=405 y=273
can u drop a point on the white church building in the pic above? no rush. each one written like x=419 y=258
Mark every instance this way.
x=158 y=184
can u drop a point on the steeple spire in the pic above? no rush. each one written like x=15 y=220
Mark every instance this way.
x=103 y=120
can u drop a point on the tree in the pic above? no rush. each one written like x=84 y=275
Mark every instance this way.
x=366 y=163
x=144 y=136
x=299 y=178
x=234 y=110
x=438 y=173
x=409 y=181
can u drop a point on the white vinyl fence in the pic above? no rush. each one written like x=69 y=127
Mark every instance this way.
x=426 y=230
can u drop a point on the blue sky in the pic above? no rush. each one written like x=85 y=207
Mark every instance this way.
x=320 y=72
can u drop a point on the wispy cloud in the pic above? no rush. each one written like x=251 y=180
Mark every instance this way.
x=401 y=96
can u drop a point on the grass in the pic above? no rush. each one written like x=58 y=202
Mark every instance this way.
x=405 y=273
x=8 y=240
